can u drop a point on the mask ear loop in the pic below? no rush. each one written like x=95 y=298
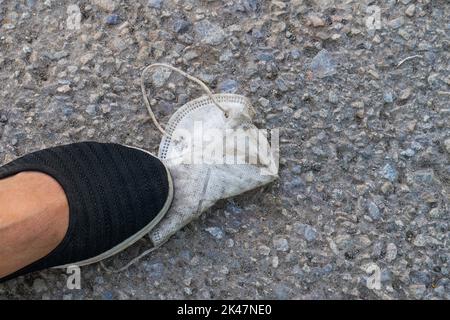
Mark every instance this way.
x=194 y=79
x=129 y=264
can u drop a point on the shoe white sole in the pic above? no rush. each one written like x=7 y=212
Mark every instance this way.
x=134 y=238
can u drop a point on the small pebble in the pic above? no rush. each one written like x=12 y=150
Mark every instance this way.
x=391 y=252
x=264 y=250
x=228 y=86
x=106 y=108
x=264 y=102
x=396 y=23
x=181 y=26
x=447 y=145
x=419 y=241
x=107 y=5
x=156 y=4
x=64 y=89
x=281 y=244
x=316 y=21
x=275 y=262
x=209 y=33
x=91 y=109
x=410 y=10
x=113 y=19
x=323 y=64
x=405 y=94
x=333 y=97
x=215 y=232
x=389 y=172
x=388 y=97
x=373 y=210
x=310 y=233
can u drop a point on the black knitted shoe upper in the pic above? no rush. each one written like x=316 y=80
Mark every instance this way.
x=113 y=192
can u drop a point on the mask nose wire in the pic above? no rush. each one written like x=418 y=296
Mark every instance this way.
x=194 y=79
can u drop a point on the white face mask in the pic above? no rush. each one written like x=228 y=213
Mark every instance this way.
x=213 y=152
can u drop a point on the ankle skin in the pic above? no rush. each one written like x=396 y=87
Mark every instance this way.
x=34 y=217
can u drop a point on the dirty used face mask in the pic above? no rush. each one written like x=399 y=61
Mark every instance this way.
x=213 y=152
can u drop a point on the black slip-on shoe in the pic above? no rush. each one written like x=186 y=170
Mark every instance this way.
x=116 y=195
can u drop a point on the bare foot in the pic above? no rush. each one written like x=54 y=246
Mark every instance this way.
x=34 y=217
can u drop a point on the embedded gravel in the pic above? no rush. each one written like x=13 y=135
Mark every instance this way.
x=359 y=90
